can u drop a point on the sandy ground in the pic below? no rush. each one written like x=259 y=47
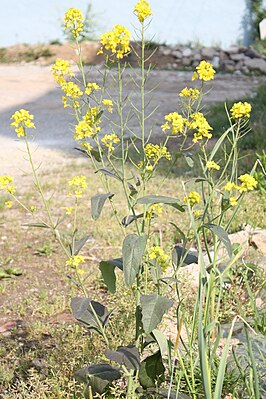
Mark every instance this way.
x=31 y=87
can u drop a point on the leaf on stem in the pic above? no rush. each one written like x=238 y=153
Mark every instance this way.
x=222 y=235
x=151 y=373
x=153 y=309
x=107 y=268
x=110 y=173
x=78 y=245
x=93 y=315
x=98 y=376
x=132 y=251
x=97 y=203
x=183 y=256
x=160 y=199
x=125 y=355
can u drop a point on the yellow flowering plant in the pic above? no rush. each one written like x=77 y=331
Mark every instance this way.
x=150 y=267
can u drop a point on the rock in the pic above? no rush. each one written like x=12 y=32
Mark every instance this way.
x=165 y=51
x=208 y=53
x=177 y=54
x=258 y=241
x=190 y=273
x=256 y=64
x=186 y=61
x=216 y=61
x=39 y=364
x=197 y=57
x=237 y=57
x=251 y=53
x=228 y=66
x=187 y=52
x=232 y=50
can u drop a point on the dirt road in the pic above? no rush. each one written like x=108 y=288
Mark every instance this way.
x=31 y=87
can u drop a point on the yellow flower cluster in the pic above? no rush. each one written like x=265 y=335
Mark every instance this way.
x=8 y=204
x=233 y=201
x=91 y=87
x=69 y=210
x=154 y=152
x=78 y=186
x=157 y=253
x=248 y=183
x=75 y=261
x=193 y=94
x=175 y=123
x=72 y=90
x=200 y=124
x=212 y=165
x=74 y=21
x=142 y=10
x=153 y=209
x=89 y=125
x=229 y=186
x=5 y=184
x=241 y=110
x=60 y=69
x=116 y=40
x=22 y=119
x=204 y=71
x=192 y=198
x=109 y=140
x=108 y=104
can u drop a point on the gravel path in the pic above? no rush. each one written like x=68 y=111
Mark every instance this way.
x=32 y=87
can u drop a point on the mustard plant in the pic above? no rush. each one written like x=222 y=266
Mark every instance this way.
x=152 y=364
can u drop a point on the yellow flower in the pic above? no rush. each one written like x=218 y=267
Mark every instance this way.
x=72 y=90
x=8 y=204
x=89 y=125
x=154 y=152
x=197 y=213
x=229 y=186
x=117 y=41
x=109 y=104
x=177 y=123
x=78 y=184
x=142 y=10
x=91 y=87
x=233 y=201
x=109 y=140
x=74 y=21
x=87 y=146
x=241 y=110
x=204 y=72
x=75 y=261
x=60 y=69
x=212 y=165
x=22 y=119
x=248 y=183
x=198 y=122
x=192 y=198
x=157 y=253
x=153 y=209
x=190 y=93
x=81 y=272
x=69 y=210
x=33 y=208
x=5 y=184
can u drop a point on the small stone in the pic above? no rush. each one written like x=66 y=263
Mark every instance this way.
x=208 y=53
x=251 y=53
x=228 y=66
x=187 y=52
x=177 y=54
x=216 y=61
x=186 y=61
x=256 y=64
x=38 y=364
x=258 y=241
x=237 y=57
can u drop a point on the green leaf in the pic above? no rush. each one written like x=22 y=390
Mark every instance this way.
x=98 y=376
x=151 y=373
x=107 y=268
x=90 y=313
x=127 y=220
x=161 y=340
x=132 y=251
x=180 y=253
x=3 y=274
x=15 y=271
x=40 y=225
x=222 y=235
x=97 y=203
x=189 y=161
x=153 y=308
x=110 y=173
x=182 y=236
x=125 y=355
x=78 y=245
x=160 y=199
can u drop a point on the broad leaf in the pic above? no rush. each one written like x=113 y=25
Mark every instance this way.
x=90 y=313
x=78 y=245
x=153 y=308
x=110 y=173
x=125 y=355
x=160 y=199
x=161 y=340
x=97 y=203
x=127 y=220
x=98 y=376
x=181 y=253
x=132 y=251
x=151 y=373
x=107 y=268
x=222 y=235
